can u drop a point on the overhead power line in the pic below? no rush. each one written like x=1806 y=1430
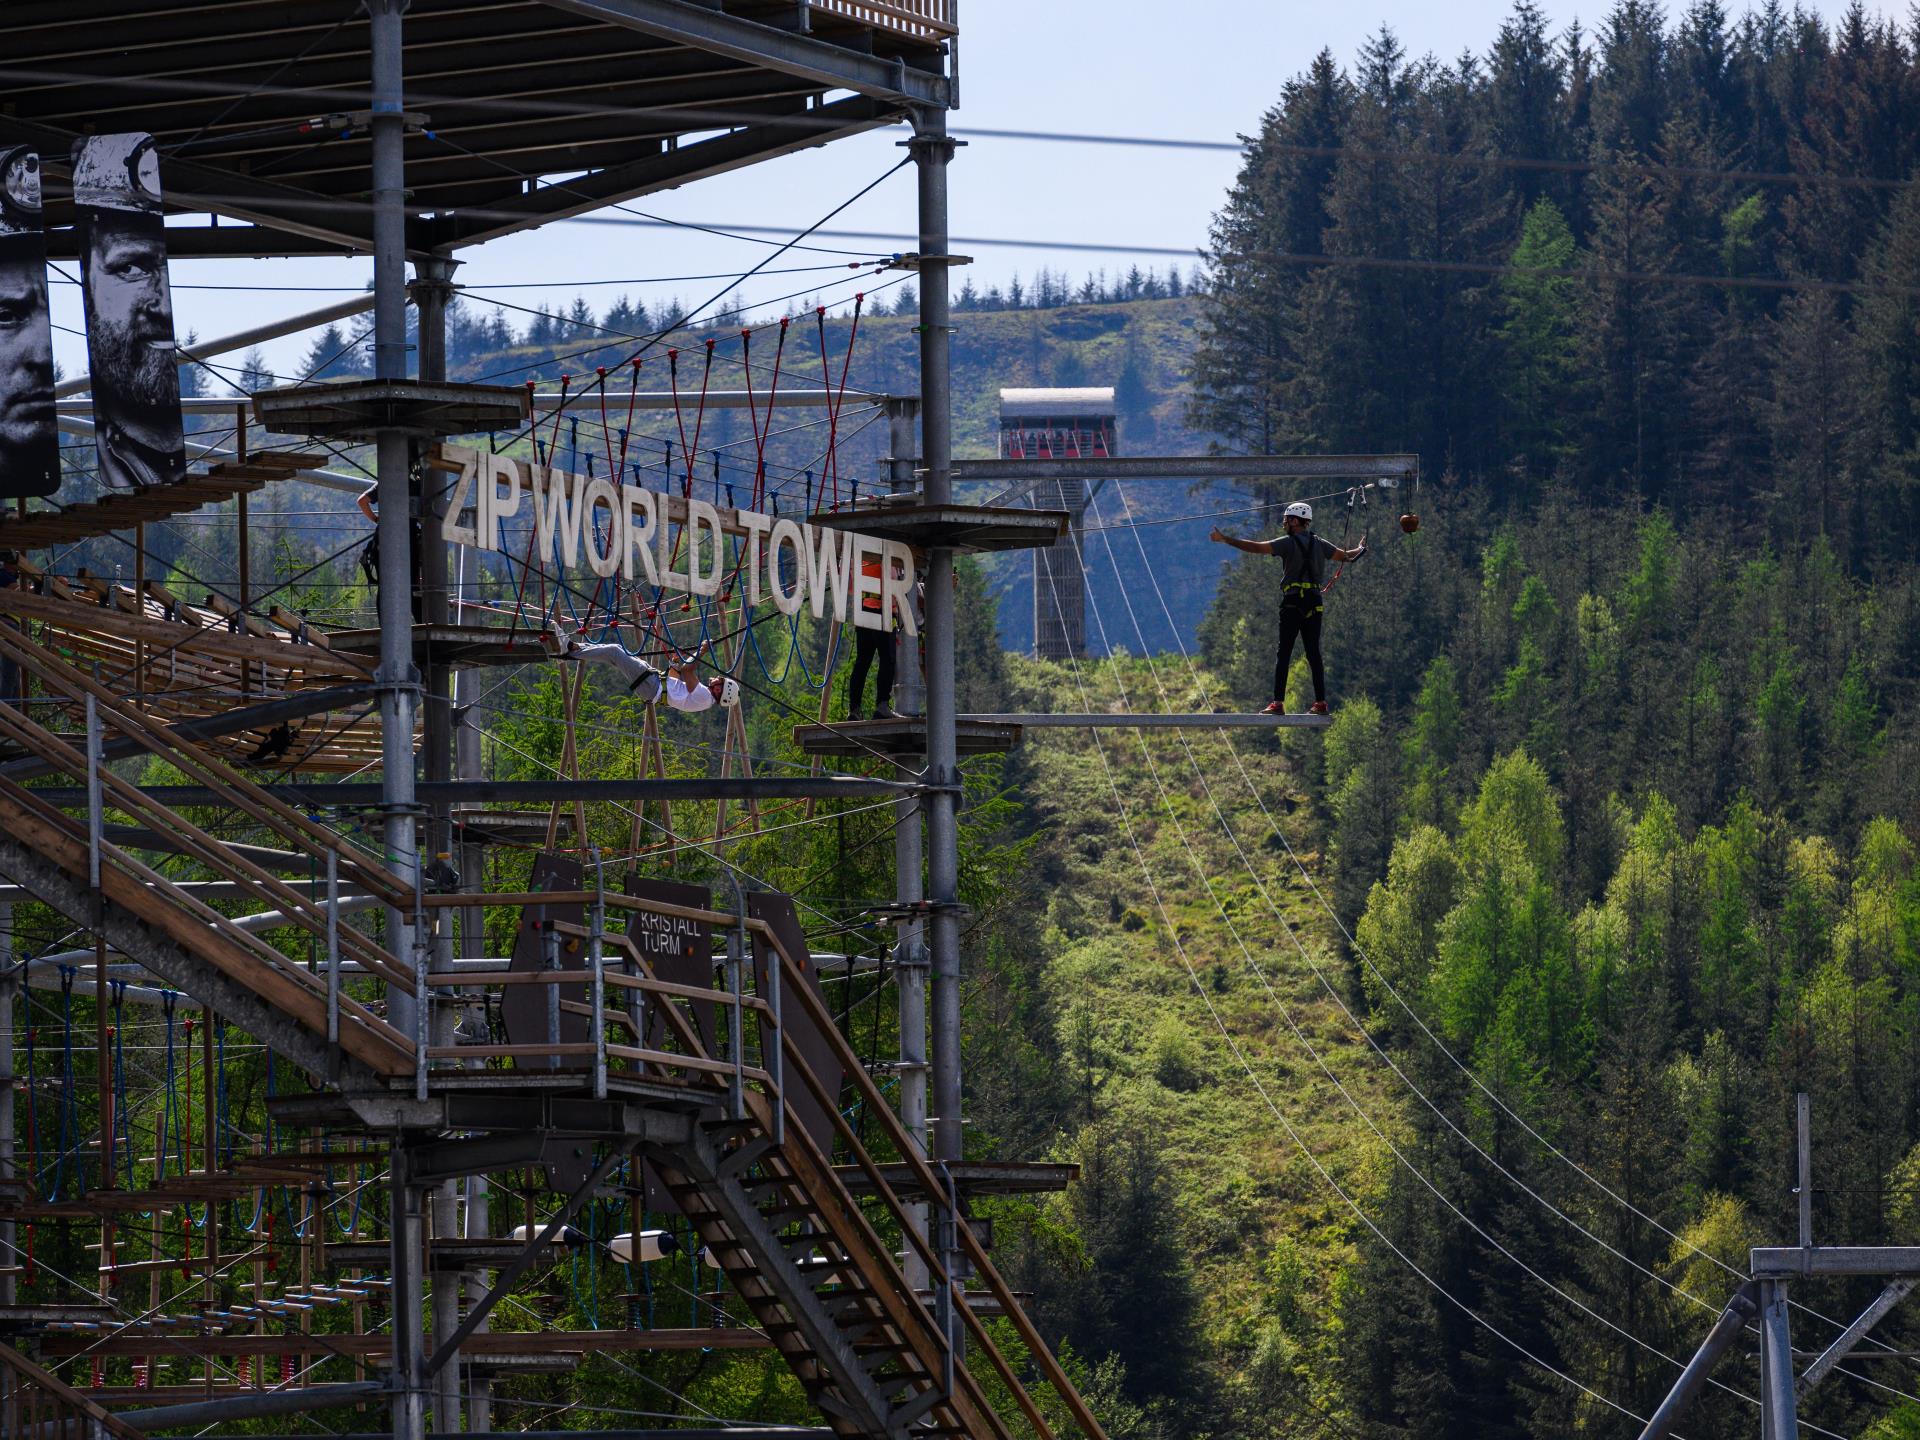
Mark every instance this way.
x=1458 y=158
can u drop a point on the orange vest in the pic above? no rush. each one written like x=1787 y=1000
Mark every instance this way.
x=871 y=603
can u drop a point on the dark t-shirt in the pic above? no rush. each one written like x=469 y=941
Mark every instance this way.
x=1305 y=557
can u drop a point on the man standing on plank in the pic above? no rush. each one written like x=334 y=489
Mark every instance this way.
x=1304 y=556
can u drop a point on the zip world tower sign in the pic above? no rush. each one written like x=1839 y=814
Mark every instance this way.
x=648 y=537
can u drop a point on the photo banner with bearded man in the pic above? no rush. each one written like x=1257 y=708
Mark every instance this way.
x=123 y=274
x=29 y=433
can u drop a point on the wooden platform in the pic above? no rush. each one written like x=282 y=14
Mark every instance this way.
x=180 y=661
x=453 y=644
x=992 y=734
x=1120 y=720
x=123 y=509
x=971 y=1177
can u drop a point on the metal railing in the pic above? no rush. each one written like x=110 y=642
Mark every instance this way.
x=920 y=19
x=622 y=997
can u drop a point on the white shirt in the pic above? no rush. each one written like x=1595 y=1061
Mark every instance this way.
x=691 y=698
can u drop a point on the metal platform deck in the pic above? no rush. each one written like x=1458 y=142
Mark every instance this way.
x=992 y=734
x=906 y=735
x=1215 y=720
x=972 y=528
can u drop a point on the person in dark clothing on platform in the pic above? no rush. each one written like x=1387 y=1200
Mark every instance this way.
x=1305 y=557
x=872 y=649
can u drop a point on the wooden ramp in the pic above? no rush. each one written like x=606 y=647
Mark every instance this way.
x=124 y=509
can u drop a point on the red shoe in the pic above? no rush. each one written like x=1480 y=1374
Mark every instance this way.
x=1275 y=707
x=1319 y=707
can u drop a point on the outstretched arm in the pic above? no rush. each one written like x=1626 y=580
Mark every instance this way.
x=1354 y=554
x=1252 y=547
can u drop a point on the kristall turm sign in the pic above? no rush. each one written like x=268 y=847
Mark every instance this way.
x=648 y=537
x=123 y=274
x=29 y=437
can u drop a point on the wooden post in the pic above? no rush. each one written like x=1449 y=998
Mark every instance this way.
x=140 y=607
x=104 y=1068
x=245 y=549
x=211 y=1294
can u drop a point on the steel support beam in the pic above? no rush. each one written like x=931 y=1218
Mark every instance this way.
x=831 y=66
x=1843 y=1345
x=1693 y=1379
x=1777 y=1400
x=273 y=330
x=531 y=1252
x=664 y=171
x=932 y=151
x=295 y=1400
x=358 y=795
x=1786 y=1262
x=1192 y=467
x=406 y=1267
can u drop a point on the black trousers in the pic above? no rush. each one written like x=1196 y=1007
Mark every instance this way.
x=1300 y=622
x=869 y=646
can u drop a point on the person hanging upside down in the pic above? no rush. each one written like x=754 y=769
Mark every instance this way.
x=1305 y=557
x=680 y=683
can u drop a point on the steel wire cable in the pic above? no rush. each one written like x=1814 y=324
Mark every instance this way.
x=1299 y=1141
x=1299 y=1035
x=1372 y=1041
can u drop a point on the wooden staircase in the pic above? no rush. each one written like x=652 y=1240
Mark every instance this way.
x=820 y=1270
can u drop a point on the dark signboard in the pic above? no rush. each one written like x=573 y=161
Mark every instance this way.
x=679 y=951
x=29 y=437
x=123 y=276
x=803 y=1035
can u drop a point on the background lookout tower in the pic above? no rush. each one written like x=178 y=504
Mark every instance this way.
x=1073 y=424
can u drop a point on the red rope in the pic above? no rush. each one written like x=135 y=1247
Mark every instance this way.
x=835 y=401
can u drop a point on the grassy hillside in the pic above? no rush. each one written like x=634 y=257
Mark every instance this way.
x=1177 y=939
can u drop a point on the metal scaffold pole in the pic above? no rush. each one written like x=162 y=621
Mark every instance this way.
x=909 y=859
x=433 y=292
x=397 y=680
x=932 y=149
x=9 y=1261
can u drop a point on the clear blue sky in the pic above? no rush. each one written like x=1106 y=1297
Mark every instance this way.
x=1203 y=69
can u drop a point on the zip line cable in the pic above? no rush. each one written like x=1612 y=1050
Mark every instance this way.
x=1299 y=1141
x=1354 y=1021
x=1450 y=158
x=1314 y=1053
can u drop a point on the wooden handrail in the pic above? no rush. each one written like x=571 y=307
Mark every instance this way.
x=234 y=788
x=301 y=911
x=65 y=1395
x=876 y=1104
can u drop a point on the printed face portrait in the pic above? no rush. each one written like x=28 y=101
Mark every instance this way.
x=29 y=441
x=123 y=271
x=130 y=334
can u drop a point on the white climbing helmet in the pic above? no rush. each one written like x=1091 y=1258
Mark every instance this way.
x=729 y=693
x=1300 y=510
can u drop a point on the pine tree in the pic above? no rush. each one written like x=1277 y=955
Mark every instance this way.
x=1245 y=364
x=1538 y=341
x=253 y=375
